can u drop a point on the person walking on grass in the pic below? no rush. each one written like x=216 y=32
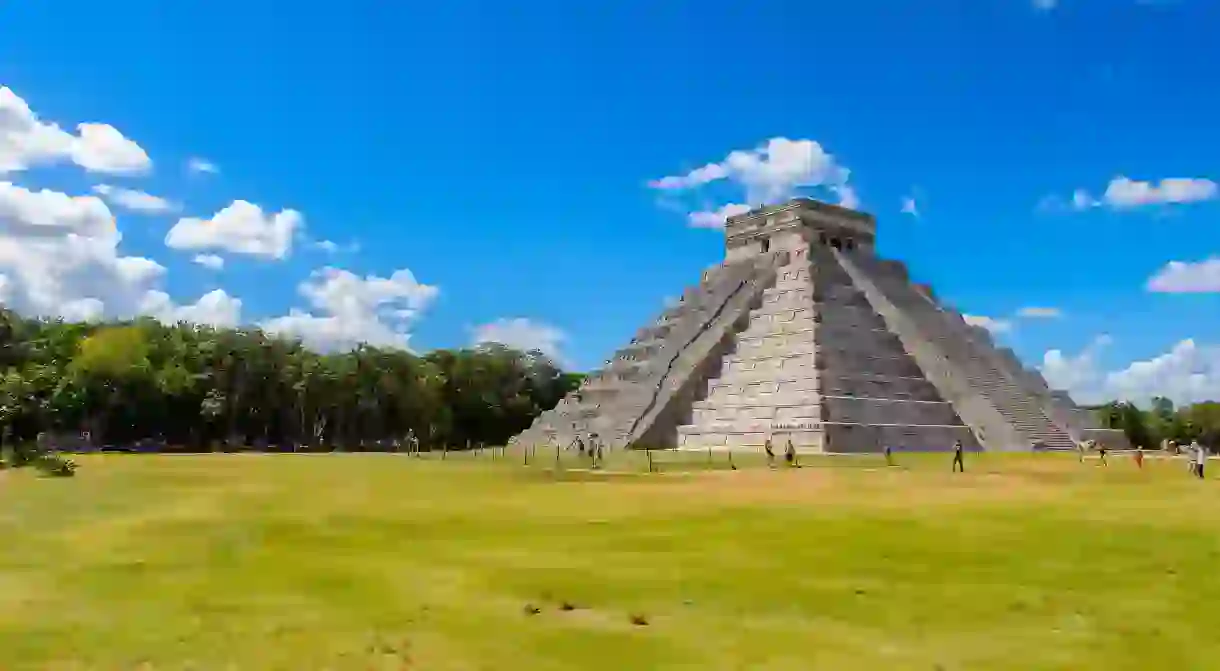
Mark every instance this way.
x=770 y=453
x=1199 y=453
x=1139 y=457
x=790 y=454
x=959 y=461
x=1101 y=454
x=889 y=456
x=1081 y=447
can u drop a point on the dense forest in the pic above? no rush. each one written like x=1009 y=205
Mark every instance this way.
x=194 y=387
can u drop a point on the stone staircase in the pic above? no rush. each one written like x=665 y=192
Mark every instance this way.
x=969 y=358
x=631 y=397
x=768 y=381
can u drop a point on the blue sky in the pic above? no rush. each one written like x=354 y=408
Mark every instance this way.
x=501 y=153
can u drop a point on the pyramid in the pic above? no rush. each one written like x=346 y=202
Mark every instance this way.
x=804 y=334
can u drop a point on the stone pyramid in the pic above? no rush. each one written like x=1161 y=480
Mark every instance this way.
x=804 y=334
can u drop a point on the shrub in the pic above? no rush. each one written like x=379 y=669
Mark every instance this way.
x=55 y=466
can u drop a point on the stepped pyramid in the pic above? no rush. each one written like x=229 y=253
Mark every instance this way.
x=804 y=334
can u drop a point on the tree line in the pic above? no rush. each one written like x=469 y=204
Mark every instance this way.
x=1163 y=421
x=193 y=387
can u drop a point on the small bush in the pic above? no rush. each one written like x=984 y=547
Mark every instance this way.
x=55 y=466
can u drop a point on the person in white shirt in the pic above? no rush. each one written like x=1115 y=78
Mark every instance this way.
x=1200 y=454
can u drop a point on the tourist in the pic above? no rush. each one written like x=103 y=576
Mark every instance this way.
x=1139 y=457
x=790 y=454
x=958 y=458
x=770 y=453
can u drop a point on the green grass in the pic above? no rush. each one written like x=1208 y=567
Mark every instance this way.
x=302 y=562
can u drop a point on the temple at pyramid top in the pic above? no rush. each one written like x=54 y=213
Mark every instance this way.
x=793 y=224
x=804 y=334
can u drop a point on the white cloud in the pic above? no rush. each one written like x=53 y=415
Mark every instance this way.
x=27 y=141
x=1179 y=277
x=102 y=148
x=201 y=165
x=910 y=207
x=525 y=335
x=59 y=257
x=847 y=197
x=1123 y=193
x=1187 y=373
x=990 y=323
x=771 y=172
x=216 y=308
x=332 y=247
x=240 y=228
x=1073 y=373
x=134 y=200
x=1039 y=313
x=349 y=310
x=210 y=261
x=716 y=218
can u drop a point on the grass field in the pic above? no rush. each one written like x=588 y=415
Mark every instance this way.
x=306 y=562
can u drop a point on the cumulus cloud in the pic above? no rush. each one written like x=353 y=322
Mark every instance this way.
x=1073 y=373
x=346 y=310
x=216 y=308
x=1179 y=277
x=1123 y=193
x=59 y=257
x=134 y=200
x=1188 y=373
x=525 y=335
x=240 y=228
x=992 y=324
x=199 y=165
x=716 y=218
x=210 y=261
x=26 y=141
x=770 y=173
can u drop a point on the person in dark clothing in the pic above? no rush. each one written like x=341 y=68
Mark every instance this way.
x=1101 y=455
x=959 y=461
x=889 y=456
x=790 y=454
x=770 y=453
